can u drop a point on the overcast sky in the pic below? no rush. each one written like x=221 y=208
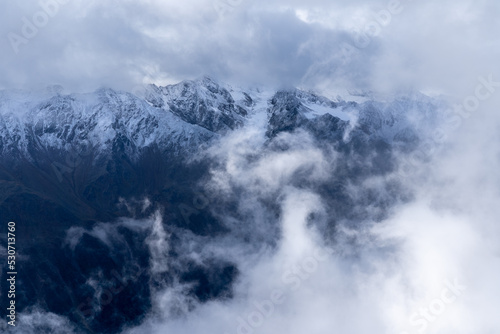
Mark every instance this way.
x=440 y=46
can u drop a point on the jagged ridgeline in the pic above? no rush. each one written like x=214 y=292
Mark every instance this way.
x=75 y=168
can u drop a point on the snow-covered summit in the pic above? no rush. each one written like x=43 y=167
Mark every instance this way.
x=203 y=102
x=187 y=115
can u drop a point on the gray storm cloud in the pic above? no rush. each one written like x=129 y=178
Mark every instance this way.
x=326 y=45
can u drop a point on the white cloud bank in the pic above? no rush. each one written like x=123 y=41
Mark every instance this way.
x=432 y=267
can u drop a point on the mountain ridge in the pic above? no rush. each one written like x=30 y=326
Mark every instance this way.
x=89 y=163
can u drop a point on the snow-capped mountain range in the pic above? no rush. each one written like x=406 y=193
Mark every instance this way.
x=185 y=116
x=75 y=167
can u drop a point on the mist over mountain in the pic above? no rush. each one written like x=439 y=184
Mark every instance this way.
x=245 y=167
x=108 y=183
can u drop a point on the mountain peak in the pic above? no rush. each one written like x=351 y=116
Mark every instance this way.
x=203 y=102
